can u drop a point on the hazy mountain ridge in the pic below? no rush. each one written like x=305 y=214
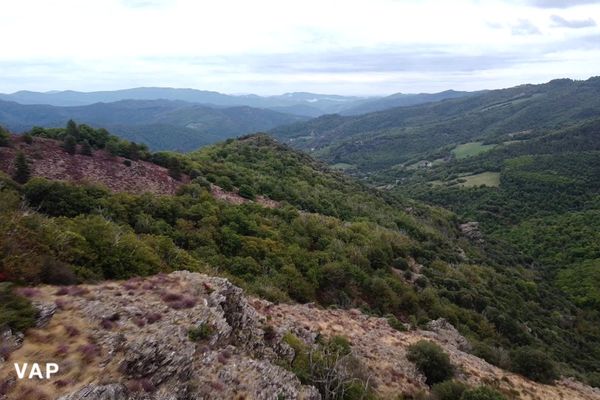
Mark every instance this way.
x=161 y=124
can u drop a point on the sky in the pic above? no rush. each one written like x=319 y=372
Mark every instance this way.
x=266 y=47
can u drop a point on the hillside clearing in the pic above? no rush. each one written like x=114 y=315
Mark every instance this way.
x=470 y=149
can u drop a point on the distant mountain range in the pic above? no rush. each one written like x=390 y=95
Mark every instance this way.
x=161 y=124
x=185 y=119
x=299 y=103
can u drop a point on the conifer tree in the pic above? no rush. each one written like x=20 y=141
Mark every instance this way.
x=70 y=144
x=22 y=171
x=72 y=130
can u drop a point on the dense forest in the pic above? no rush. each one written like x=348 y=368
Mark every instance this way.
x=331 y=240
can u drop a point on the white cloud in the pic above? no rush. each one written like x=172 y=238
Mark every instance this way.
x=273 y=46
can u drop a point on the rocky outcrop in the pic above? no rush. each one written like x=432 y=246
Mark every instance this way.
x=178 y=336
x=448 y=334
x=191 y=336
x=471 y=231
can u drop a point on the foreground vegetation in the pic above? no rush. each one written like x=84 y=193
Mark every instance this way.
x=331 y=240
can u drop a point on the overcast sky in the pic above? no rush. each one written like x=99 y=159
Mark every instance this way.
x=368 y=47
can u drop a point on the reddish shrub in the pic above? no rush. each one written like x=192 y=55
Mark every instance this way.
x=62 y=383
x=28 y=292
x=147 y=385
x=78 y=291
x=62 y=291
x=61 y=350
x=139 y=321
x=107 y=324
x=170 y=296
x=89 y=351
x=224 y=356
x=129 y=285
x=71 y=331
x=61 y=304
x=153 y=317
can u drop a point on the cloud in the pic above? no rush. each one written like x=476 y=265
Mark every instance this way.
x=558 y=21
x=560 y=3
x=524 y=27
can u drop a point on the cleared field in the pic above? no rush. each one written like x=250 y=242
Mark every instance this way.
x=343 y=166
x=471 y=149
x=485 y=178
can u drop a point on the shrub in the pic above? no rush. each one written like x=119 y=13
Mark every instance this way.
x=4 y=137
x=200 y=332
x=482 y=393
x=22 y=171
x=431 y=361
x=396 y=324
x=16 y=312
x=27 y=138
x=70 y=144
x=247 y=192
x=449 y=390
x=534 y=364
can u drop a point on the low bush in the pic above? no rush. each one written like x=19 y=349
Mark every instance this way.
x=431 y=361
x=201 y=332
x=449 y=390
x=482 y=393
x=16 y=311
x=533 y=364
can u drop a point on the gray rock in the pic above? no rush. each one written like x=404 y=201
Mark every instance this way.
x=447 y=333
x=45 y=311
x=99 y=392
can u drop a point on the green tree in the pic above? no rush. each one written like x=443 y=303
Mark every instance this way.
x=72 y=130
x=431 y=361
x=175 y=169
x=247 y=191
x=22 y=170
x=534 y=364
x=4 y=137
x=86 y=149
x=70 y=144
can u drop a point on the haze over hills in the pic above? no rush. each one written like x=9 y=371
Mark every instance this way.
x=161 y=124
x=299 y=103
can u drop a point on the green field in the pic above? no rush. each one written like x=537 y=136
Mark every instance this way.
x=485 y=178
x=470 y=149
x=343 y=166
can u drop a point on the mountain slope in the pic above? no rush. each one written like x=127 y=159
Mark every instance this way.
x=402 y=100
x=409 y=134
x=325 y=238
x=161 y=124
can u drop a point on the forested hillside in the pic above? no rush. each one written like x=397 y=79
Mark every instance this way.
x=407 y=135
x=328 y=239
x=160 y=124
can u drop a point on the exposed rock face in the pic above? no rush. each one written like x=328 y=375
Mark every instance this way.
x=132 y=340
x=447 y=333
x=471 y=231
